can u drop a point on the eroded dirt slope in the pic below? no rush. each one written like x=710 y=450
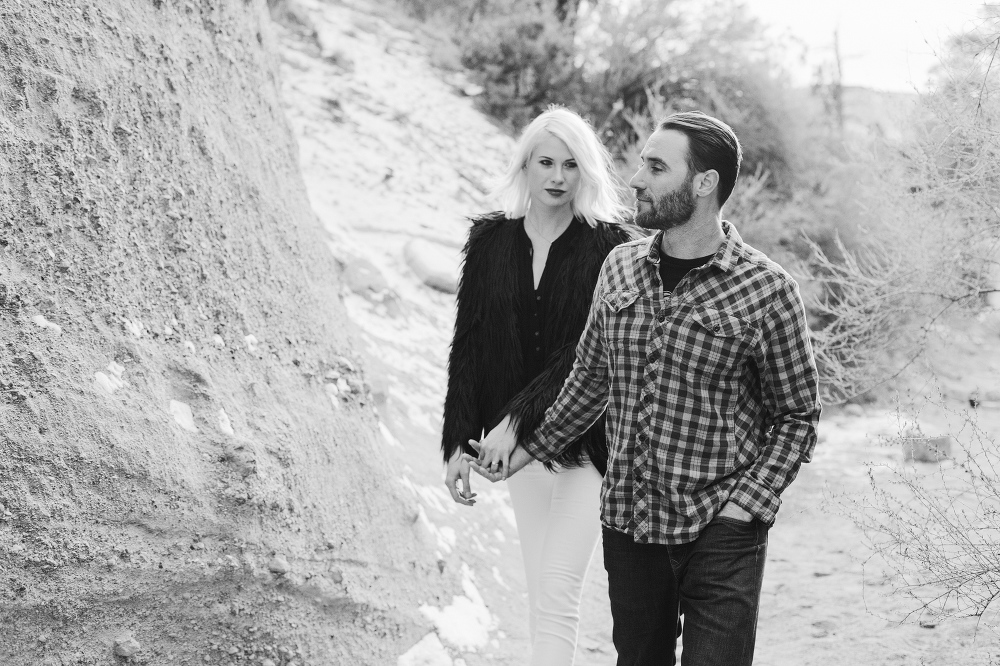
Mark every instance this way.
x=182 y=409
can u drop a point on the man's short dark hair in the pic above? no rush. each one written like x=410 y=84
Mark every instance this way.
x=712 y=144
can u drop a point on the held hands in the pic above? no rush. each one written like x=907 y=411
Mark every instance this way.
x=519 y=459
x=495 y=449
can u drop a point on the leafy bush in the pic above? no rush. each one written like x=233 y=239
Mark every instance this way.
x=524 y=63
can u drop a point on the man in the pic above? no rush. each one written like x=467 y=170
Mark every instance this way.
x=697 y=346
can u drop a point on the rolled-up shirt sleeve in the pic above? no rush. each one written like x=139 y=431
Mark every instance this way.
x=790 y=393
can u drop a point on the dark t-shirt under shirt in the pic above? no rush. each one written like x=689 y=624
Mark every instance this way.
x=673 y=269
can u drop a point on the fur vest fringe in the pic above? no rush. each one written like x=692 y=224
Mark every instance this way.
x=485 y=369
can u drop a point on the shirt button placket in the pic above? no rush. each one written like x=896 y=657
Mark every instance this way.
x=639 y=487
x=640 y=470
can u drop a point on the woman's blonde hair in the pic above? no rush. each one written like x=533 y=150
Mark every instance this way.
x=599 y=196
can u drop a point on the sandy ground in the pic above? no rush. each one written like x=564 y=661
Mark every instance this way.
x=391 y=151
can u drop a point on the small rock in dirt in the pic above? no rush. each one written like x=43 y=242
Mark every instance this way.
x=188 y=345
x=224 y=424
x=364 y=278
x=928 y=622
x=337 y=576
x=278 y=566
x=436 y=265
x=251 y=343
x=107 y=383
x=218 y=341
x=233 y=649
x=857 y=411
x=134 y=327
x=267 y=662
x=182 y=415
x=42 y=322
x=126 y=646
x=926 y=449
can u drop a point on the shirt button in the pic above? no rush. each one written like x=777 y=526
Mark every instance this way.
x=538 y=349
x=661 y=317
x=716 y=328
x=538 y=298
x=537 y=333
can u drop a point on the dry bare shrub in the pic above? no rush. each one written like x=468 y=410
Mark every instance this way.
x=934 y=529
x=931 y=245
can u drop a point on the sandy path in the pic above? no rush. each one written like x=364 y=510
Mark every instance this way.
x=816 y=606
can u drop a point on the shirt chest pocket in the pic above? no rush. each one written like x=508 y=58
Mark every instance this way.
x=616 y=301
x=625 y=331
x=710 y=345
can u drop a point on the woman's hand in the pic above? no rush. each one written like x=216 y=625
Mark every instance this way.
x=458 y=469
x=518 y=460
x=496 y=447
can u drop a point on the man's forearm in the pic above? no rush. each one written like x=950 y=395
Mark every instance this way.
x=791 y=444
x=581 y=402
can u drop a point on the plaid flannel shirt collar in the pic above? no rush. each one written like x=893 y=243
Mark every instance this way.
x=725 y=257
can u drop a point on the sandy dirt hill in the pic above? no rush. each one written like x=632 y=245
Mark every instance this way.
x=191 y=466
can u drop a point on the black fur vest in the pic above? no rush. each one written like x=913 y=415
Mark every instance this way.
x=485 y=369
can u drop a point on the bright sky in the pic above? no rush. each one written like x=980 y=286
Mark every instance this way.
x=885 y=44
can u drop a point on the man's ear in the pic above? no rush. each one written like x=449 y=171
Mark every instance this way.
x=709 y=180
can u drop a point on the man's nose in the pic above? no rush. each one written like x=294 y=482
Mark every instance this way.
x=635 y=182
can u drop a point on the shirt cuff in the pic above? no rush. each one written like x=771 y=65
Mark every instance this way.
x=535 y=447
x=760 y=501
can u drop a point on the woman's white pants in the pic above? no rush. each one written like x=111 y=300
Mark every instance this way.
x=559 y=523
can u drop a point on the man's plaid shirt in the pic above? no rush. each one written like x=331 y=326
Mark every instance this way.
x=711 y=390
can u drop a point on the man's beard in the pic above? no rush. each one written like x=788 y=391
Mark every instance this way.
x=668 y=211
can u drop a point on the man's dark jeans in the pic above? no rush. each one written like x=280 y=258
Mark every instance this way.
x=714 y=581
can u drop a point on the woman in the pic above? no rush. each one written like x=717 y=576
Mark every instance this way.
x=529 y=274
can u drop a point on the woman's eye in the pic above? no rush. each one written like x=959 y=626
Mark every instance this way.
x=570 y=165
x=545 y=162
